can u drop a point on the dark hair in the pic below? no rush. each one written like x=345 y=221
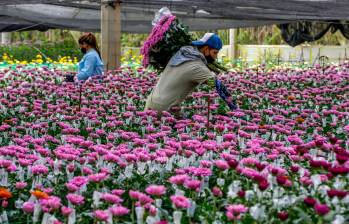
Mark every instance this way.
x=90 y=40
x=202 y=46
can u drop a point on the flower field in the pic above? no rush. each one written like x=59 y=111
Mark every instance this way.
x=281 y=158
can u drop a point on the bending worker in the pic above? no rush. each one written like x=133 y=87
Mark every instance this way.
x=186 y=70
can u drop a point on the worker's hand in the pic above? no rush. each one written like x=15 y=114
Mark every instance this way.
x=76 y=79
x=69 y=78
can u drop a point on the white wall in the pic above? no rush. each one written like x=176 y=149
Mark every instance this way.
x=257 y=53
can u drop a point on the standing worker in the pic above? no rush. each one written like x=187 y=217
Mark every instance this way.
x=186 y=70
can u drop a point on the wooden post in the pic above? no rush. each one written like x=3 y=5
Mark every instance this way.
x=233 y=45
x=278 y=59
x=301 y=58
x=5 y=38
x=265 y=56
x=51 y=35
x=111 y=33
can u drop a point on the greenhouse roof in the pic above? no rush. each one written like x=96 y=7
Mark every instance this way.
x=136 y=15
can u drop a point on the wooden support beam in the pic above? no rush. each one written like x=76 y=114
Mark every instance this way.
x=233 y=45
x=5 y=38
x=111 y=33
x=51 y=35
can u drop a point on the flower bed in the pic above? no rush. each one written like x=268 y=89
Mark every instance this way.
x=281 y=158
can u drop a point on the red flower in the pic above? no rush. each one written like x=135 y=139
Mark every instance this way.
x=301 y=149
x=309 y=201
x=318 y=164
x=274 y=171
x=319 y=143
x=283 y=215
x=333 y=140
x=341 y=158
x=321 y=209
x=340 y=150
x=263 y=185
x=233 y=163
x=162 y=222
x=333 y=193
x=260 y=166
x=294 y=169
x=336 y=170
x=258 y=178
x=241 y=193
x=329 y=175
x=281 y=179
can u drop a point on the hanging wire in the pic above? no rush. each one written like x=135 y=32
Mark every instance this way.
x=27 y=27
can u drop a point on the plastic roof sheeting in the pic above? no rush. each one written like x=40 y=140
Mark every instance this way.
x=137 y=14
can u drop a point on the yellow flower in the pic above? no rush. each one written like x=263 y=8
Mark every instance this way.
x=300 y=120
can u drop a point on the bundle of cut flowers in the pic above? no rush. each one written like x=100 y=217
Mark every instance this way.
x=166 y=38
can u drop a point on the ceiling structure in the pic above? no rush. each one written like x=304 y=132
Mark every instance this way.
x=136 y=15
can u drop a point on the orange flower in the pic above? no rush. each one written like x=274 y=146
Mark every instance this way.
x=39 y=194
x=8 y=121
x=300 y=120
x=291 y=97
x=261 y=127
x=5 y=194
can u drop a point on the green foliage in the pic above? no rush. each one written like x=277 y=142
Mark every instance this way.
x=132 y=40
x=28 y=52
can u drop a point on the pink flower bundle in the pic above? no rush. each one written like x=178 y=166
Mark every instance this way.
x=156 y=35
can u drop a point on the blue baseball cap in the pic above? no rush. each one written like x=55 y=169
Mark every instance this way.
x=210 y=39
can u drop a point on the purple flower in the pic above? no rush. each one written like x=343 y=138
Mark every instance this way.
x=180 y=201
x=28 y=207
x=111 y=198
x=39 y=169
x=101 y=215
x=76 y=199
x=50 y=204
x=156 y=190
x=66 y=211
x=119 y=210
